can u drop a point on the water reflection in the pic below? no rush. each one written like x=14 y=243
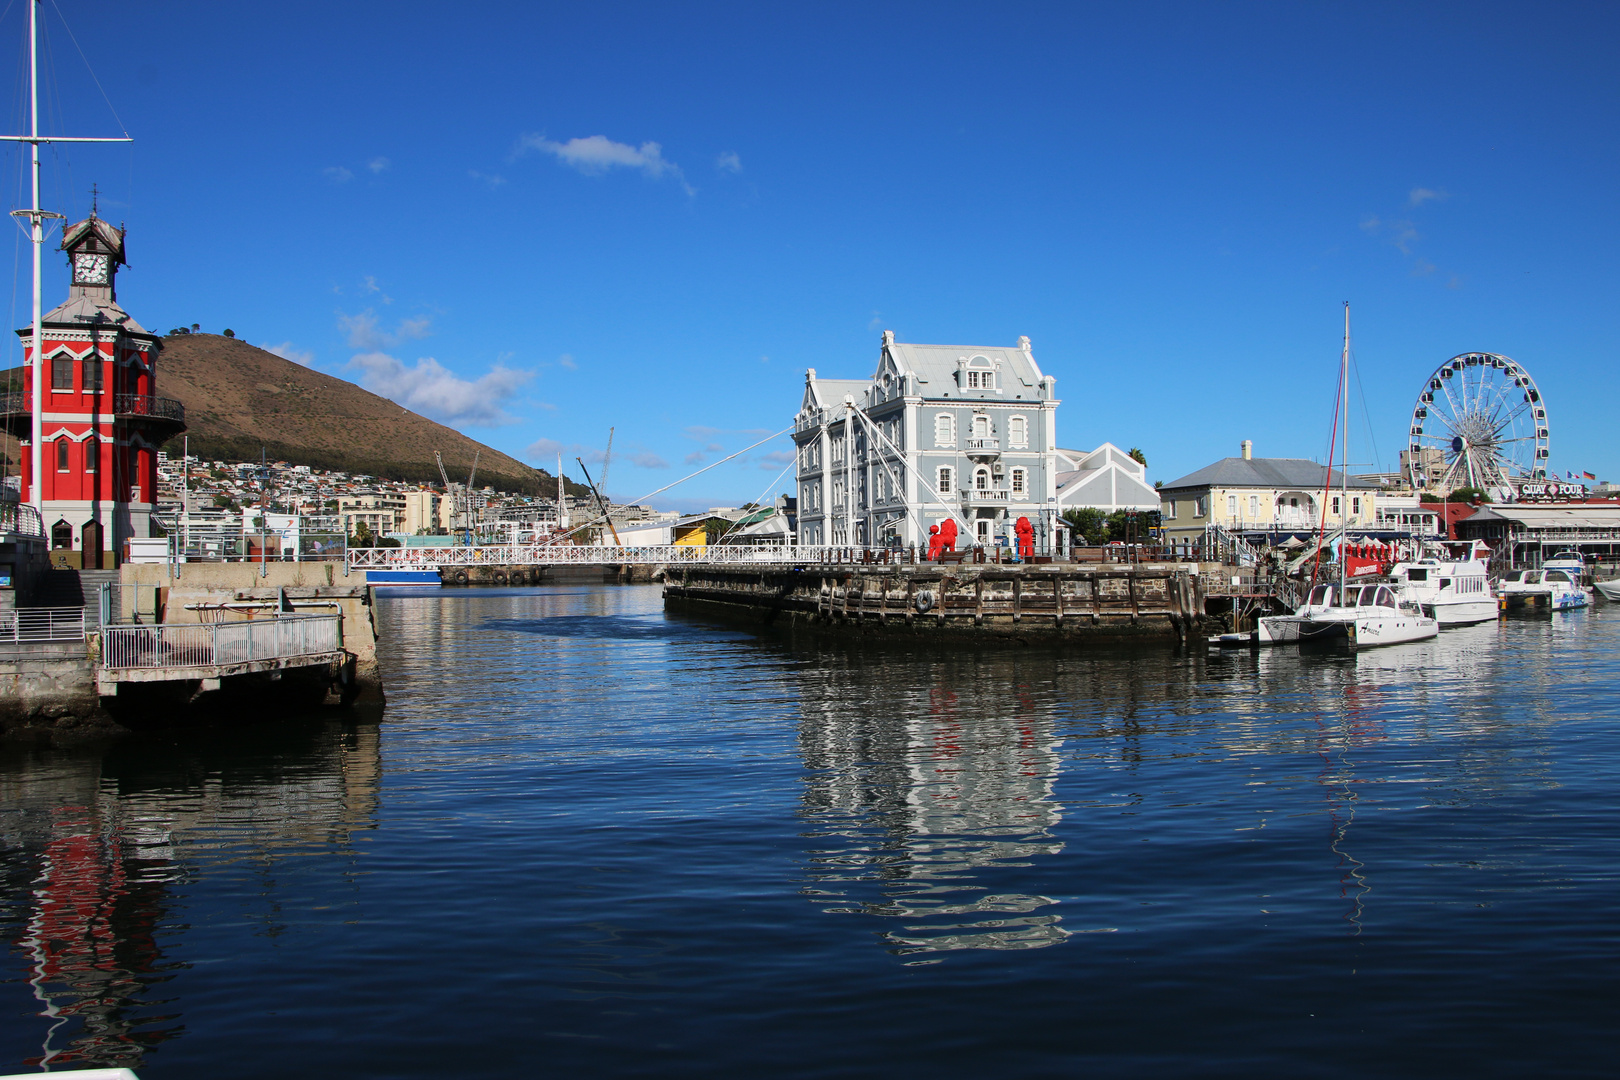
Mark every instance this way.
x=918 y=787
x=96 y=849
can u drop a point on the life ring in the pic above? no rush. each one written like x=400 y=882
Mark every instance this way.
x=459 y=577
x=923 y=602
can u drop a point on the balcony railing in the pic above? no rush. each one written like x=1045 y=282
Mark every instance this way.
x=984 y=446
x=145 y=405
x=18 y=403
x=985 y=495
x=20 y=518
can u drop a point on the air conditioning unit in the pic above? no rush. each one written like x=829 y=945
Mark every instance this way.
x=996 y=469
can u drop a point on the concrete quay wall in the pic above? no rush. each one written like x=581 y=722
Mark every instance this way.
x=966 y=601
x=199 y=591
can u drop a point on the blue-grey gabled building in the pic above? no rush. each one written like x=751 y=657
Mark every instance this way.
x=968 y=432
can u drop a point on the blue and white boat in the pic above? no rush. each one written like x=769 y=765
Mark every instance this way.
x=1542 y=591
x=403 y=577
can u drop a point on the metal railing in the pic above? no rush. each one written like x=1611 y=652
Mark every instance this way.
x=427 y=558
x=218 y=644
x=983 y=444
x=158 y=408
x=20 y=518
x=985 y=495
x=42 y=624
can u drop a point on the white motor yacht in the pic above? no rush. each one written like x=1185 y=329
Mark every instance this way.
x=1609 y=589
x=1356 y=615
x=1453 y=592
x=1542 y=591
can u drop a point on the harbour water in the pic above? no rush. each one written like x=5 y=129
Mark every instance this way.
x=593 y=839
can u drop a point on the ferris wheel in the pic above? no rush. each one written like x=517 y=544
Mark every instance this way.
x=1479 y=422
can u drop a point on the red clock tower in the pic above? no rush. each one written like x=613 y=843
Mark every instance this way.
x=103 y=422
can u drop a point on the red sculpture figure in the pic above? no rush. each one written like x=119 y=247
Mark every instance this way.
x=947 y=535
x=1026 y=537
x=934 y=540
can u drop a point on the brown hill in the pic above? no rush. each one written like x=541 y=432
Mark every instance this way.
x=239 y=398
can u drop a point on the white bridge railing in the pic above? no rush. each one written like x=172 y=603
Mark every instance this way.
x=216 y=644
x=431 y=558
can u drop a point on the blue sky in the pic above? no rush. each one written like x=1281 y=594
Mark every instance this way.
x=537 y=222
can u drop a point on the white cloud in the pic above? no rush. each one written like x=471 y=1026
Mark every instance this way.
x=777 y=459
x=729 y=162
x=566 y=360
x=433 y=390
x=596 y=154
x=378 y=164
x=1421 y=195
x=369 y=284
x=338 y=174
x=365 y=332
x=491 y=180
x=648 y=460
x=288 y=351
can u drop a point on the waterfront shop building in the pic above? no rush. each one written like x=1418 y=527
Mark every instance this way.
x=1265 y=500
x=1527 y=534
x=102 y=421
x=944 y=432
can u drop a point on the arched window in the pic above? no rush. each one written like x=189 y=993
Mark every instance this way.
x=981 y=479
x=61 y=536
x=62 y=445
x=946 y=477
x=944 y=430
x=1018 y=431
x=92 y=454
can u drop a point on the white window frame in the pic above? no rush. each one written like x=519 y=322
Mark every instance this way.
x=981 y=479
x=944 y=429
x=944 y=477
x=1201 y=506
x=1019 y=484
x=1018 y=431
x=1231 y=507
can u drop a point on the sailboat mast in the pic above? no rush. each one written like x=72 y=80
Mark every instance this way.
x=36 y=217
x=1344 y=450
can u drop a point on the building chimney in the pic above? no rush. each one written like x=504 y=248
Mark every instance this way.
x=1248 y=449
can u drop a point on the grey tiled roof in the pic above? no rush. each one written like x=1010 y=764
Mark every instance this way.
x=936 y=365
x=1265 y=472
x=88 y=311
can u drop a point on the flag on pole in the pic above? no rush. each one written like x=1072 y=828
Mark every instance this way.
x=1589 y=476
x=1569 y=476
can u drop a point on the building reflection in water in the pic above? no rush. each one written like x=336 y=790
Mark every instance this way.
x=922 y=792
x=94 y=848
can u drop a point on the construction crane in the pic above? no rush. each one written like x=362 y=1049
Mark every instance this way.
x=601 y=504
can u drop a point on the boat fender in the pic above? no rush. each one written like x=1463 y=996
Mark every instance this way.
x=924 y=601
x=459 y=577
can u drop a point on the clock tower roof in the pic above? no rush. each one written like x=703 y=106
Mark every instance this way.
x=95 y=236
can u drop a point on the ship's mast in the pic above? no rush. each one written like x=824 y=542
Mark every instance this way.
x=36 y=219
x=1344 y=451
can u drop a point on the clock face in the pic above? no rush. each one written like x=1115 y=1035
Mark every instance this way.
x=90 y=269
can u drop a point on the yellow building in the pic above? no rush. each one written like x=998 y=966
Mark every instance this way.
x=1274 y=495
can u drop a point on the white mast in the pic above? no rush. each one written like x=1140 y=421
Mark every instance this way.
x=562 y=507
x=1344 y=451
x=36 y=218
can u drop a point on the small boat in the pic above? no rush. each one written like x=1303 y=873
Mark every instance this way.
x=1609 y=590
x=1542 y=591
x=1355 y=615
x=1454 y=592
x=402 y=577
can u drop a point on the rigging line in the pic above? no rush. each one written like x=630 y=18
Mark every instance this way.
x=762 y=496
x=1366 y=414
x=675 y=483
x=872 y=427
x=933 y=489
x=116 y=118
x=1327 y=486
